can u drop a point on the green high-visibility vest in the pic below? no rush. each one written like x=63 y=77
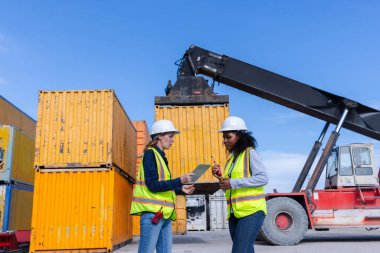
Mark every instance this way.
x=146 y=201
x=244 y=201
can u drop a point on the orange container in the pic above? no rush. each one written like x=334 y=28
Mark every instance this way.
x=179 y=226
x=143 y=138
x=84 y=128
x=81 y=210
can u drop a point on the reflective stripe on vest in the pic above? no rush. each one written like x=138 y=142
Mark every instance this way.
x=246 y=163
x=161 y=171
x=146 y=201
x=245 y=198
x=153 y=201
x=243 y=201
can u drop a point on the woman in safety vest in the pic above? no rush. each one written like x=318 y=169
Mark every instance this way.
x=154 y=195
x=243 y=181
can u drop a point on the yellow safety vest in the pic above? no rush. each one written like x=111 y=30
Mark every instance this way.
x=244 y=201
x=146 y=201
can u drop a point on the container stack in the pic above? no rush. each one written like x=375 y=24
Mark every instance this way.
x=198 y=114
x=85 y=158
x=143 y=138
x=16 y=178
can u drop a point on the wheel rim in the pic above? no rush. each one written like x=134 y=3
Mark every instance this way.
x=283 y=221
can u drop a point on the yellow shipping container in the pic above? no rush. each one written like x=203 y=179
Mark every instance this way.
x=11 y=115
x=81 y=210
x=15 y=207
x=198 y=140
x=16 y=155
x=84 y=128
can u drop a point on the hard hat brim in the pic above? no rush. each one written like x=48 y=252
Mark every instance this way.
x=176 y=132
x=230 y=130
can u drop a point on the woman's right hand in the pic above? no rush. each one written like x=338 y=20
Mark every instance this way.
x=216 y=171
x=186 y=178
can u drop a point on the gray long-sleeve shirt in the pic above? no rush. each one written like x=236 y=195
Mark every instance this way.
x=258 y=171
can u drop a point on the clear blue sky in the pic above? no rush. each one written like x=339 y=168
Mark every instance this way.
x=131 y=46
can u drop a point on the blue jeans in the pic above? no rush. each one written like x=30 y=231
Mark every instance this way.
x=244 y=231
x=155 y=236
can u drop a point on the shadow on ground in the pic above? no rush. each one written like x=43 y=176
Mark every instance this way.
x=188 y=240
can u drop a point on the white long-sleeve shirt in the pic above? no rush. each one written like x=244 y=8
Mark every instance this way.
x=258 y=171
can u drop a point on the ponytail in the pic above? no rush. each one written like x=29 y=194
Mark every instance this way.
x=152 y=143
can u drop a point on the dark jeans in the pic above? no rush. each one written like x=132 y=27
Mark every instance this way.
x=244 y=231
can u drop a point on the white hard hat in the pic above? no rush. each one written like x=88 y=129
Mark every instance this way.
x=163 y=126
x=233 y=123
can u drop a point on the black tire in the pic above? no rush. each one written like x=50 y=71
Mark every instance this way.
x=286 y=222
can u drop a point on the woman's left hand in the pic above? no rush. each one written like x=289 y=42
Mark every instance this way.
x=188 y=189
x=225 y=184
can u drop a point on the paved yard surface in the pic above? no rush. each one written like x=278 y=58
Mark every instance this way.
x=344 y=241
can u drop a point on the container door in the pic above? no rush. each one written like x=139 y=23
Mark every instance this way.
x=22 y=157
x=5 y=152
x=3 y=191
x=196 y=212
x=15 y=207
x=218 y=211
x=19 y=206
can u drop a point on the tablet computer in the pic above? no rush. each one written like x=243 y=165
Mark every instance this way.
x=198 y=172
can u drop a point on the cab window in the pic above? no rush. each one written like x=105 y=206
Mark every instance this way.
x=345 y=163
x=332 y=165
x=362 y=156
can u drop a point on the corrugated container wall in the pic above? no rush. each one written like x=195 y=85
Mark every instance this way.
x=15 y=207
x=179 y=226
x=122 y=220
x=143 y=138
x=198 y=140
x=16 y=155
x=11 y=115
x=84 y=128
x=81 y=210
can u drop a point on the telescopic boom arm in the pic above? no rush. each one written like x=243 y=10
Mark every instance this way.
x=281 y=90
